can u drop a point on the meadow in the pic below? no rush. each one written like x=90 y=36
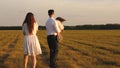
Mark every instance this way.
x=79 y=49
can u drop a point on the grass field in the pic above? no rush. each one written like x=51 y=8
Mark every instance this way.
x=79 y=49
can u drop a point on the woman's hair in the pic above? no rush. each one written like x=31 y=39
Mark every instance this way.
x=60 y=19
x=30 y=20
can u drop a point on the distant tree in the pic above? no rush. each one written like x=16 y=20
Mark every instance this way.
x=77 y=27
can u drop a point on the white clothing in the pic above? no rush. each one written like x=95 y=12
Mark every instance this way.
x=60 y=25
x=31 y=42
x=52 y=27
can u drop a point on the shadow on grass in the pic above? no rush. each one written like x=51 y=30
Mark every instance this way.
x=6 y=55
x=74 y=49
x=107 y=62
x=99 y=47
x=45 y=55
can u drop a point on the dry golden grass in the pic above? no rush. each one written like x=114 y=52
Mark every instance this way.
x=79 y=49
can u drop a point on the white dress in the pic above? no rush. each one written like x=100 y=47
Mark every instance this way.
x=31 y=42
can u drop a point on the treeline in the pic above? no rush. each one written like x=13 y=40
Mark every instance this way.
x=77 y=27
x=17 y=28
x=94 y=27
x=10 y=27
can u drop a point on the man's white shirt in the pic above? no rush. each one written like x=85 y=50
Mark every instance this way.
x=52 y=27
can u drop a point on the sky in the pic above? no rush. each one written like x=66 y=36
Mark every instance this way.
x=76 y=12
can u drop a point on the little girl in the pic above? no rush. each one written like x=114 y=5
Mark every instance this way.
x=60 y=20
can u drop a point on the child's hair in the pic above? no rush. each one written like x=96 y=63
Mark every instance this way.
x=60 y=19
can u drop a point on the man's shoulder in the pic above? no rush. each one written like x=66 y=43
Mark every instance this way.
x=51 y=20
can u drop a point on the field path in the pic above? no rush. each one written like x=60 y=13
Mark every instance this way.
x=8 y=49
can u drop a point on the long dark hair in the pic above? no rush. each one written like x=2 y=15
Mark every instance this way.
x=30 y=20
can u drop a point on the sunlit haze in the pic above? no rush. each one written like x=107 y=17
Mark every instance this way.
x=76 y=12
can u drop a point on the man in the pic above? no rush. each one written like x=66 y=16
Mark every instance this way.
x=52 y=32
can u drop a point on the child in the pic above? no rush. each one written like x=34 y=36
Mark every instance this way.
x=60 y=20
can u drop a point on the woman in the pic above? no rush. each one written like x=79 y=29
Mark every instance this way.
x=31 y=43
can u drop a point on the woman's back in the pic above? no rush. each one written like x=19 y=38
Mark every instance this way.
x=26 y=31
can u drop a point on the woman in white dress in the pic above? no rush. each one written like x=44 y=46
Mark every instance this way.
x=31 y=42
